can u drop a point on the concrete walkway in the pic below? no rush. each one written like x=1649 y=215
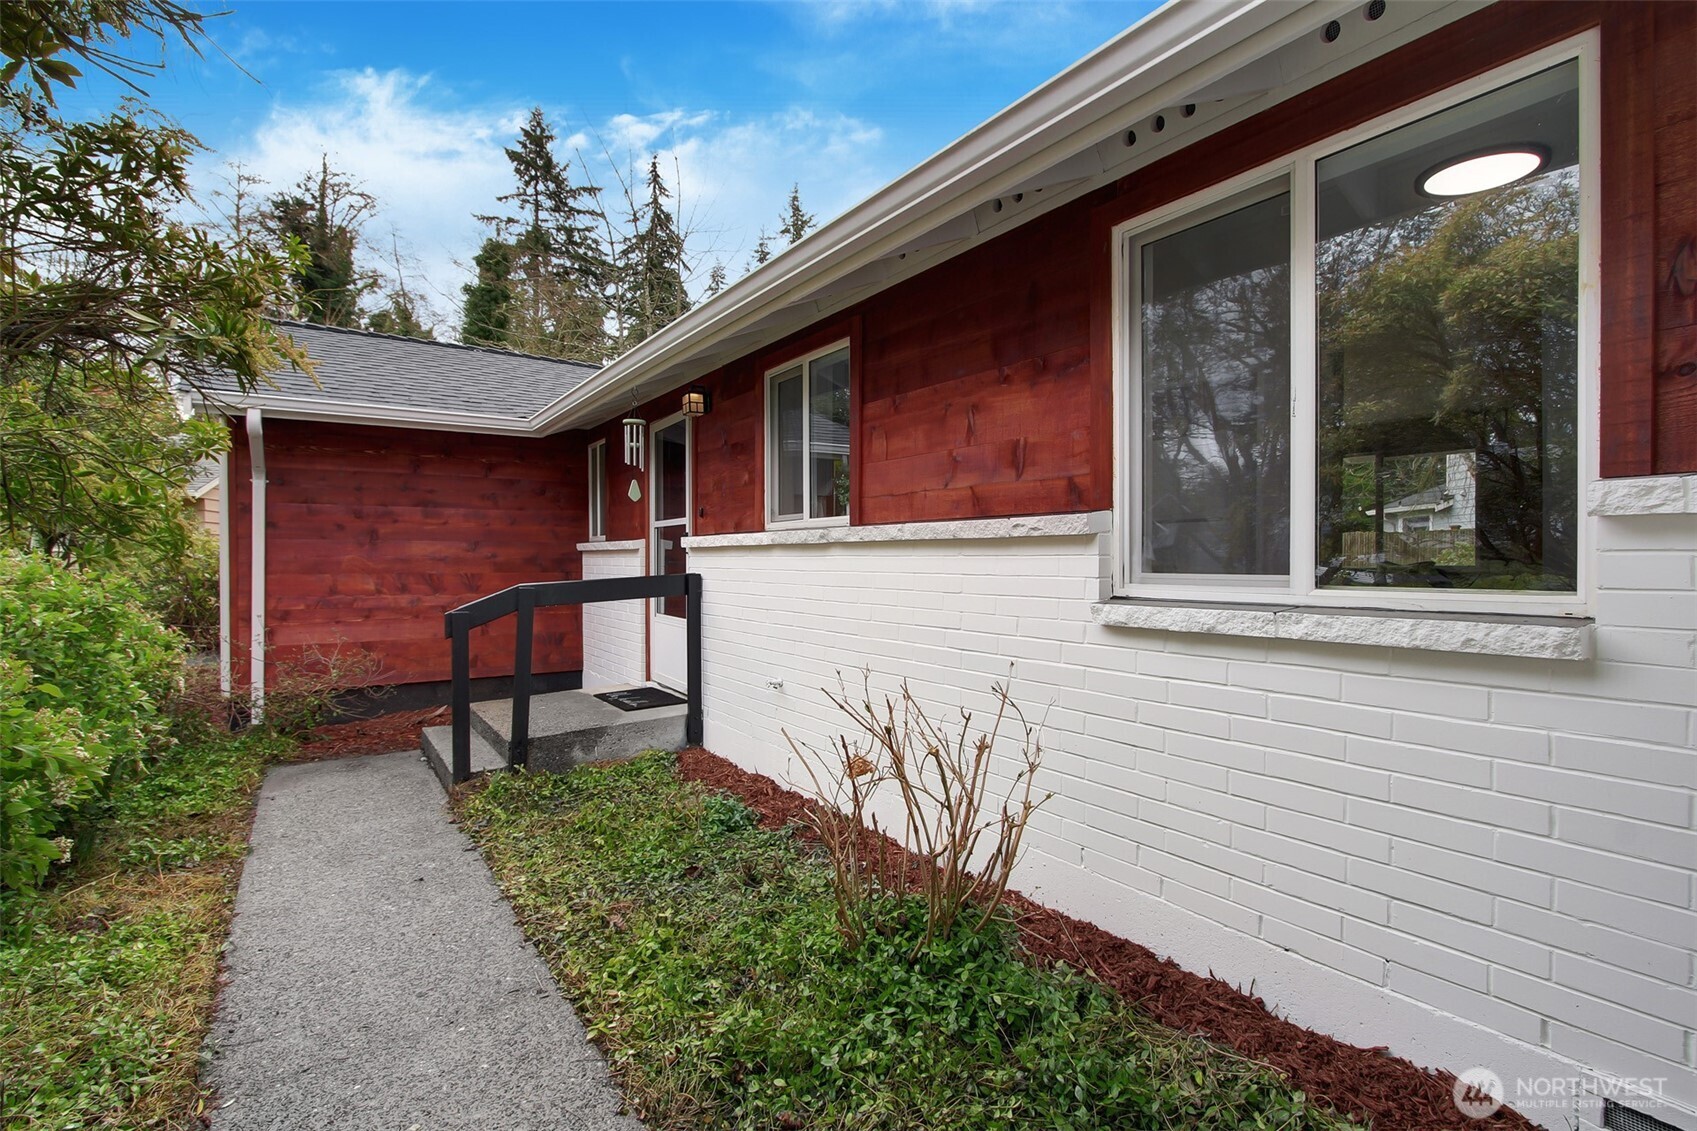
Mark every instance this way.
x=377 y=979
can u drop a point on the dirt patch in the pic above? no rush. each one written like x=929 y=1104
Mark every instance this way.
x=1368 y=1084
x=381 y=735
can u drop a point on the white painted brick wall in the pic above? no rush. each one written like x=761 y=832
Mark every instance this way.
x=1473 y=859
x=614 y=645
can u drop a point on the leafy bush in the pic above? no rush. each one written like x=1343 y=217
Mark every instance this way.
x=705 y=954
x=179 y=585
x=83 y=672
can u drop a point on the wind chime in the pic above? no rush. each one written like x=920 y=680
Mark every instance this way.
x=635 y=429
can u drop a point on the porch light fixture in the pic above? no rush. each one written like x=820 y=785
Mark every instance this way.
x=1482 y=171
x=635 y=429
x=697 y=401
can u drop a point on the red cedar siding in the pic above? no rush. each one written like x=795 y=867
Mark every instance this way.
x=986 y=384
x=1673 y=101
x=373 y=533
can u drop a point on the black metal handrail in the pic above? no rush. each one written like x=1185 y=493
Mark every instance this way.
x=523 y=601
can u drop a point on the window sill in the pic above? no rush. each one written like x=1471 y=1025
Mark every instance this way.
x=608 y=547
x=1650 y=494
x=1481 y=634
x=1034 y=526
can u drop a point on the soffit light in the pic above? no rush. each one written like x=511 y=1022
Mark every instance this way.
x=1482 y=171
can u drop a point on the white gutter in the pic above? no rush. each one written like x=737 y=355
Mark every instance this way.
x=226 y=668
x=284 y=407
x=256 y=564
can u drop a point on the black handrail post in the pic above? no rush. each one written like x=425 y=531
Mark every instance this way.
x=692 y=658
x=460 y=701
x=518 y=747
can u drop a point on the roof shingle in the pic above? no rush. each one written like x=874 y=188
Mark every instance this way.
x=365 y=368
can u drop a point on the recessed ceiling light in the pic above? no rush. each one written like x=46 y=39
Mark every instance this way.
x=1479 y=172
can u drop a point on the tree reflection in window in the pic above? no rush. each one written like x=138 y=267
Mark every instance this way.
x=1448 y=345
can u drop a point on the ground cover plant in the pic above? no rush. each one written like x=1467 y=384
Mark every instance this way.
x=705 y=953
x=107 y=975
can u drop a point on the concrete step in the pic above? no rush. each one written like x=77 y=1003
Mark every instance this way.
x=439 y=752
x=570 y=728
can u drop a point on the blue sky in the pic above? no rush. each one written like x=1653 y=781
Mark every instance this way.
x=415 y=99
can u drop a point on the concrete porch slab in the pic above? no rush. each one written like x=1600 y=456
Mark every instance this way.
x=570 y=728
x=567 y=728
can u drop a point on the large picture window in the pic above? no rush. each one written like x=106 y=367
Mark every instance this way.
x=808 y=439
x=1381 y=340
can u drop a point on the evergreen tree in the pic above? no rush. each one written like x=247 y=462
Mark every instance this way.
x=400 y=317
x=485 y=319
x=110 y=303
x=763 y=249
x=716 y=278
x=558 y=273
x=651 y=290
x=324 y=213
x=796 y=221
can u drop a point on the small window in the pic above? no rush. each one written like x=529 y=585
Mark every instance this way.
x=808 y=437
x=598 y=491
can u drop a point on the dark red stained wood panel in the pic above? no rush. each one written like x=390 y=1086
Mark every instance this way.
x=977 y=391
x=1673 y=97
x=373 y=533
x=1627 y=409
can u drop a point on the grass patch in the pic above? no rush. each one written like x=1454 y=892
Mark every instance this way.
x=107 y=978
x=704 y=954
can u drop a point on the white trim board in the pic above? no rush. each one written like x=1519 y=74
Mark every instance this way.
x=1032 y=526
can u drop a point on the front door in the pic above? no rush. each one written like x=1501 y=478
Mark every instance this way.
x=668 y=508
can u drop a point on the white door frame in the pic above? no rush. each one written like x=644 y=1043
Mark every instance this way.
x=667 y=642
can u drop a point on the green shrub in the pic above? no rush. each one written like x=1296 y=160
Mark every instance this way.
x=179 y=586
x=83 y=673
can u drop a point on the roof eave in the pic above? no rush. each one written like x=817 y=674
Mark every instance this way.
x=369 y=414
x=1181 y=46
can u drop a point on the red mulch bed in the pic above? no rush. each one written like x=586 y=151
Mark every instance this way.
x=1364 y=1083
x=381 y=735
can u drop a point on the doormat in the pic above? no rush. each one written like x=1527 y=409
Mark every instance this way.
x=640 y=698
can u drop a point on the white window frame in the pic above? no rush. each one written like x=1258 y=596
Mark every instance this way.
x=1297 y=170
x=775 y=521
x=598 y=491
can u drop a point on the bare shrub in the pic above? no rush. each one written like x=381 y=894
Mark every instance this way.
x=952 y=814
x=300 y=691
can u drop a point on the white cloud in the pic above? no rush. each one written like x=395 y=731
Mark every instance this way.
x=432 y=165
x=429 y=168
x=732 y=176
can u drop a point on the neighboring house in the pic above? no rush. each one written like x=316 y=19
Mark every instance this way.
x=204 y=490
x=1118 y=370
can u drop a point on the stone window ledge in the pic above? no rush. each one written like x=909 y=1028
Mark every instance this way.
x=1650 y=494
x=609 y=547
x=968 y=529
x=1486 y=634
